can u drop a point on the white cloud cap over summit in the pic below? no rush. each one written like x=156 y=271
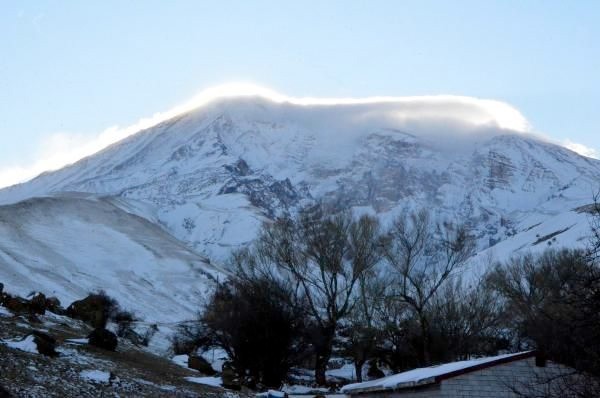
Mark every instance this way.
x=429 y=114
x=581 y=149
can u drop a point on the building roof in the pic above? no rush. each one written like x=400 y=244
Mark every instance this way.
x=432 y=374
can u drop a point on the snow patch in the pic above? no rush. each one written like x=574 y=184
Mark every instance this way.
x=216 y=357
x=271 y=394
x=301 y=390
x=210 y=381
x=95 y=376
x=27 y=344
x=181 y=360
x=346 y=372
x=77 y=341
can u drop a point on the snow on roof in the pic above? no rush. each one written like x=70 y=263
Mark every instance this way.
x=432 y=374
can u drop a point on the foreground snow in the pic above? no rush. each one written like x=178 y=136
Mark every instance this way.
x=210 y=381
x=181 y=360
x=216 y=357
x=27 y=344
x=96 y=376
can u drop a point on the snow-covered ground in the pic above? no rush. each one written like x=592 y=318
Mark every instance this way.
x=27 y=344
x=5 y=313
x=181 y=360
x=95 y=376
x=570 y=228
x=216 y=357
x=210 y=381
x=80 y=370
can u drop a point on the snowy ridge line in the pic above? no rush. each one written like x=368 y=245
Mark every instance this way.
x=478 y=110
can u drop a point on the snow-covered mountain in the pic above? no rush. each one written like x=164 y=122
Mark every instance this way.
x=211 y=176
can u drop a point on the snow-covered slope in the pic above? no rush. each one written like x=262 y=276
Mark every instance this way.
x=71 y=245
x=536 y=234
x=211 y=176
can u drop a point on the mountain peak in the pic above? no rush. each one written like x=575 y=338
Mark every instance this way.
x=239 y=159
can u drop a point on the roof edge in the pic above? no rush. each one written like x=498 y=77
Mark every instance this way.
x=481 y=366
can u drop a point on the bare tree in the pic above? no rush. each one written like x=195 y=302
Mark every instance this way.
x=326 y=256
x=400 y=333
x=466 y=321
x=362 y=331
x=552 y=302
x=425 y=256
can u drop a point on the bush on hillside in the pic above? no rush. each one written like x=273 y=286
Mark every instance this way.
x=254 y=321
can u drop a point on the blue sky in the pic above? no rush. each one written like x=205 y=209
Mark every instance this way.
x=70 y=70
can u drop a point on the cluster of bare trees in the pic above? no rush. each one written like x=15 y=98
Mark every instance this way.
x=366 y=292
x=551 y=303
x=399 y=297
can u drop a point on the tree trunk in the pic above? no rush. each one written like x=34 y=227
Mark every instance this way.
x=323 y=350
x=321 y=366
x=425 y=349
x=358 y=366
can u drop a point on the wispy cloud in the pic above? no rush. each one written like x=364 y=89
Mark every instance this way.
x=61 y=149
x=581 y=149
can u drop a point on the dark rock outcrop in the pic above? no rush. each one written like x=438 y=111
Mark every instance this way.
x=200 y=364
x=374 y=372
x=95 y=310
x=103 y=338
x=4 y=393
x=16 y=305
x=240 y=168
x=230 y=377
x=46 y=344
x=37 y=304
x=53 y=304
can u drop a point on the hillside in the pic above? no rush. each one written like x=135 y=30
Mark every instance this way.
x=81 y=370
x=70 y=245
